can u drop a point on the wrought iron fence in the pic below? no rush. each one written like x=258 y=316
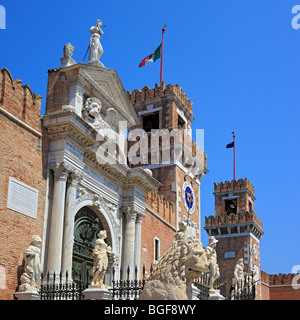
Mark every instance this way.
x=61 y=287
x=128 y=289
x=244 y=289
x=202 y=283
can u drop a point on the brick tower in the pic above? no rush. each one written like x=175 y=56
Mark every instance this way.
x=236 y=227
x=175 y=160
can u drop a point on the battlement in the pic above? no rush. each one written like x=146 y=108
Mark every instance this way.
x=277 y=279
x=20 y=101
x=179 y=136
x=160 y=206
x=159 y=91
x=234 y=185
x=239 y=218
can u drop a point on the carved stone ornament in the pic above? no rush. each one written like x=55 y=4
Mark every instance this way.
x=68 y=50
x=173 y=276
x=92 y=108
x=30 y=279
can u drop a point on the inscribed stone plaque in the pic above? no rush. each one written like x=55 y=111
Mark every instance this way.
x=22 y=198
x=229 y=254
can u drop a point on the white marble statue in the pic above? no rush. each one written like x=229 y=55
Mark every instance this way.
x=100 y=254
x=238 y=274
x=68 y=50
x=96 y=49
x=30 y=279
x=213 y=267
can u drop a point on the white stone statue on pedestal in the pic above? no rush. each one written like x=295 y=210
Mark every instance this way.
x=100 y=254
x=96 y=49
x=30 y=279
x=238 y=280
x=213 y=267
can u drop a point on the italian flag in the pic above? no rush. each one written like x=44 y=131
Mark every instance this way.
x=152 y=57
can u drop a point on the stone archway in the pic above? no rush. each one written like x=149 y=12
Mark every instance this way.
x=107 y=215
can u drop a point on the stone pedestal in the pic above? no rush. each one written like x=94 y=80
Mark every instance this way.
x=215 y=295
x=195 y=292
x=97 y=293
x=28 y=295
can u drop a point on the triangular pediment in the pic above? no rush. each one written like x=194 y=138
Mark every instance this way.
x=110 y=84
x=106 y=85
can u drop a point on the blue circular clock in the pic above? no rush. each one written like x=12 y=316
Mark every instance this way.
x=188 y=197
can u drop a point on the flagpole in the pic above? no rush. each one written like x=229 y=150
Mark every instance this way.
x=233 y=156
x=162 y=53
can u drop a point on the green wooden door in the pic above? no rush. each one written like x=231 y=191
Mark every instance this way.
x=87 y=226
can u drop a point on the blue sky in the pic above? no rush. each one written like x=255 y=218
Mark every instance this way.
x=236 y=60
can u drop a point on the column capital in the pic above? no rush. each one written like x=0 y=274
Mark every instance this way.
x=130 y=214
x=134 y=213
x=139 y=218
x=76 y=177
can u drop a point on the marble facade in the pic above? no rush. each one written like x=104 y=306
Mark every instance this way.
x=115 y=192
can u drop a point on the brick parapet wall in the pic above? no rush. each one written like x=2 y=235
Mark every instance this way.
x=233 y=185
x=20 y=101
x=161 y=206
x=232 y=218
x=159 y=91
x=278 y=286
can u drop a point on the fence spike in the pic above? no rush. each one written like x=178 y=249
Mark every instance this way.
x=135 y=272
x=151 y=268
x=128 y=273
x=121 y=273
x=113 y=273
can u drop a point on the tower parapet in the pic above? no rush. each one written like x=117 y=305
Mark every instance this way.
x=161 y=90
x=234 y=185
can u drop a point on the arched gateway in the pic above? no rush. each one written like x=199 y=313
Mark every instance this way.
x=87 y=226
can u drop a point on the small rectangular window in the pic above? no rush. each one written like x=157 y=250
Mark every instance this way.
x=156 y=250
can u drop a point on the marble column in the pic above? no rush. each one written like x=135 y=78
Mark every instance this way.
x=68 y=234
x=57 y=221
x=138 y=239
x=129 y=244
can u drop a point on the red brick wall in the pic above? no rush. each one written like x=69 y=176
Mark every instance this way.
x=153 y=227
x=23 y=157
x=57 y=91
x=278 y=287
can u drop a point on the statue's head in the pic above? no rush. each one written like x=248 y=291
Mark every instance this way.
x=196 y=261
x=212 y=241
x=102 y=234
x=99 y=23
x=36 y=240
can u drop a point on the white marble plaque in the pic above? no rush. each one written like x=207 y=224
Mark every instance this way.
x=22 y=198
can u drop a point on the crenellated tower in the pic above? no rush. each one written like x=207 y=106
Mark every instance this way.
x=236 y=227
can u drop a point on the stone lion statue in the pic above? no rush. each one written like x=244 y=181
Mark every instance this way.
x=173 y=276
